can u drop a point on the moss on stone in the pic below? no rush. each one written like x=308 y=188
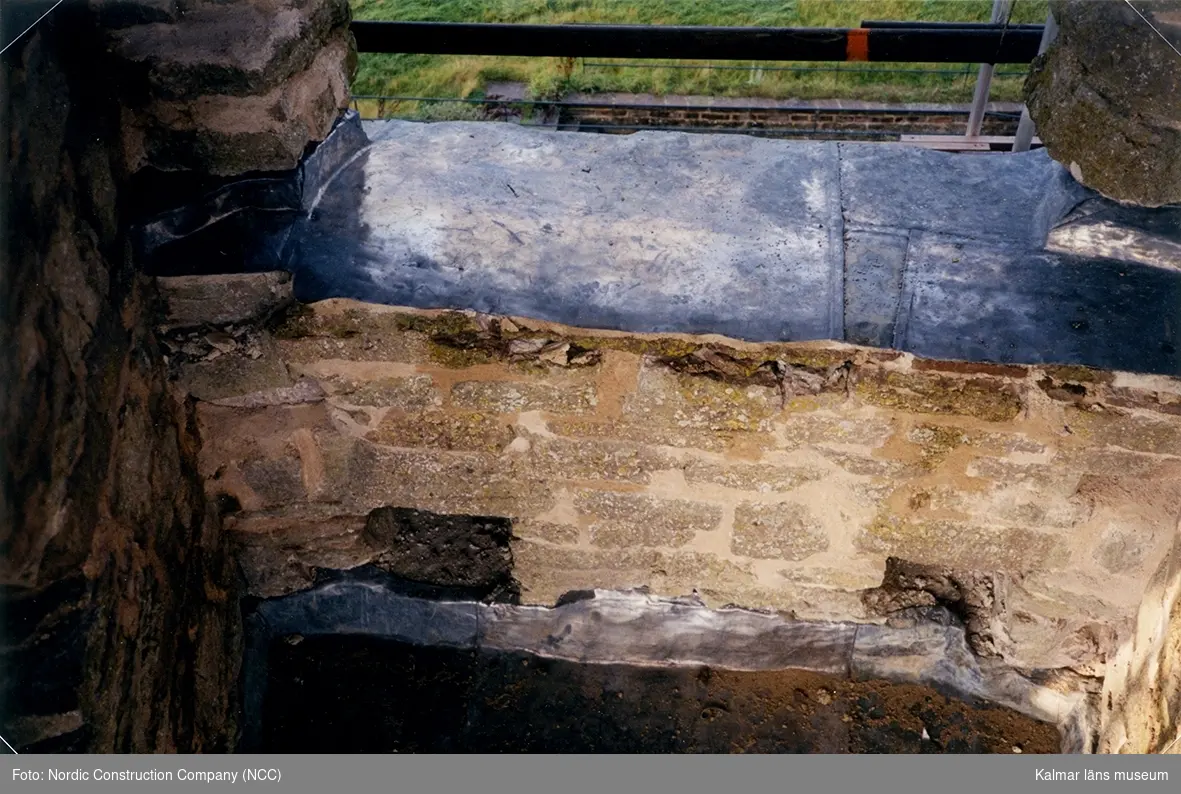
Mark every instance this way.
x=442 y=325
x=298 y=322
x=1079 y=374
x=664 y=347
x=456 y=357
x=984 y=398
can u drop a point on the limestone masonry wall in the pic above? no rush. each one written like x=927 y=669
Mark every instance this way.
x=769 y=476
x=121 y=621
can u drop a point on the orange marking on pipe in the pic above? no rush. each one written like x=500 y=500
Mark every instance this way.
x=857 y=45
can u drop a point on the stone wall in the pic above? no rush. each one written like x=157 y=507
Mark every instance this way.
x=769 y=476
x=121 y=621
x=1142 y=691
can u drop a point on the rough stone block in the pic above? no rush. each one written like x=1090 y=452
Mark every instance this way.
x=339 y=330
x=844 y=429
x=276 y=481
x=986 y=398
x=547 y=572
x=1108 y=124
x=784 y=531
x=444 y=430
x=508 y=397
x=411 y=393
x=196 y=301
x=559 y=534
x=701 y=403
x=963 y=544
x=628 y=519
x=567 y=459
x=228 y=48
x=1138 y=433
x=444 y=482
x=233 y=375
x=760 y=477
x=657 y=434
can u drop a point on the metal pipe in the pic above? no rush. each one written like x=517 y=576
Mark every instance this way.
x=699 y=43
x=1000 y=12
x=1025 y=128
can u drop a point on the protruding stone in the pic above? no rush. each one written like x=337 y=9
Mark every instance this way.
x=196 y=301
x=227 y=89
x=1103 y=97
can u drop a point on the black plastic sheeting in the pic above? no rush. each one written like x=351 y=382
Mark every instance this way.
x=347 y=658
x=959 y=272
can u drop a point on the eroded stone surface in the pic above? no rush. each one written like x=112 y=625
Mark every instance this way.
x=196 y=301
x=228 y=90
x=783 y=531
x=621 y=519
x=1098 y=96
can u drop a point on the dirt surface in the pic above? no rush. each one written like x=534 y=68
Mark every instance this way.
x=354 y=694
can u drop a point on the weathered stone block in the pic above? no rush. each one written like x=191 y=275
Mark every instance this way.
x=411 y=393
x=509 y=397
x=237 y=49
x=701 y=402
x=233 y=375
x=784 y=531
x=1139 y=433
x=465 y=430
x=559 y=534
x=547 y=572
x=760 y=477
x=1096 y=96
x=276 y=481
x=627 y=519
x=444 y=482
x=568 y=459
x=828 y=428
x=658 y=434
x=226 y=135
x=963 y=544
x=987 y=398
x=196 y=301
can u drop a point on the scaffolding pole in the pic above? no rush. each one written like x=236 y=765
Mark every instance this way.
x=1025 y=128
x=1000 y=12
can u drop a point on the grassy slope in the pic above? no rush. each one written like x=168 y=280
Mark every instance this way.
x=463 y=76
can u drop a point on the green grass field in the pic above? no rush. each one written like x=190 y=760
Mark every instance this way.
x=549 y=78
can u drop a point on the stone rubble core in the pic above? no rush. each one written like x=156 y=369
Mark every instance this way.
x=638 y=629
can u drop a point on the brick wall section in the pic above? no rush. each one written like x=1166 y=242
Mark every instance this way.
x=888 y=121
x=686 y=464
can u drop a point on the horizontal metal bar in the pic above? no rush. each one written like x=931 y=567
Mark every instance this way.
x=883 y=23
x=704 y=43
x=896 y=111
x=842 y=69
